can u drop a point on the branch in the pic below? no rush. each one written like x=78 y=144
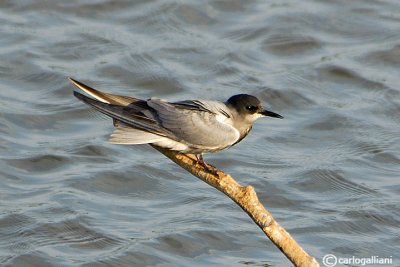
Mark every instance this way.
x=246 y=198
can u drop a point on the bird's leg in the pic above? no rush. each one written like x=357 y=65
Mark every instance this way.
x=206 y=166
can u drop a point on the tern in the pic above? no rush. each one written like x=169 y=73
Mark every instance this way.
x=189 y=126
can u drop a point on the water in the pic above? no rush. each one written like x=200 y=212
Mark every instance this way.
x=328 y=172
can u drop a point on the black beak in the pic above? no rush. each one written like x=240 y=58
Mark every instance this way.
x=270 y=114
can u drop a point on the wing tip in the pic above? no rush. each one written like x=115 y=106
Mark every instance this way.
x=103 y=97
x=80 y=85
x=75 y=82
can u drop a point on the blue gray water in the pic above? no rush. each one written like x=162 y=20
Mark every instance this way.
x=328 y=172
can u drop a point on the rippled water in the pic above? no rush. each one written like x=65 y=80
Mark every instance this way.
x=329 y=172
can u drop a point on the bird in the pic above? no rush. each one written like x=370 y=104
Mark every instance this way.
x=188 y=126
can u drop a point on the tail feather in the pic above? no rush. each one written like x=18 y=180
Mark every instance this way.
x=104 y=97
x=117 y=113
x=131 y=136
x=132 y=126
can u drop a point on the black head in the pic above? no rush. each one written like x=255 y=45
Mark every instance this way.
x=249 y=105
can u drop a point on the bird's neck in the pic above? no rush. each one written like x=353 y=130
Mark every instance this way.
x=243 y=132
x=242 y=123
x=243 y=127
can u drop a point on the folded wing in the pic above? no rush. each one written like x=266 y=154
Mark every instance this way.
x=205 y=126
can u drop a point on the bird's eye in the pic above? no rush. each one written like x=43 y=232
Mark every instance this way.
x=251 y=108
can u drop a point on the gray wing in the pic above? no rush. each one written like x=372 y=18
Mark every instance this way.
x=200 y=123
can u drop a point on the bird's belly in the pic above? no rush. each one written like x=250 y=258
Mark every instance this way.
x=187 y=148
x=173 y=145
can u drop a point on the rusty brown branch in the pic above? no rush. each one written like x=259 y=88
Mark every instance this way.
x=247 y=199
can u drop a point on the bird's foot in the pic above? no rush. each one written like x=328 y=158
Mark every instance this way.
x=206 y=166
